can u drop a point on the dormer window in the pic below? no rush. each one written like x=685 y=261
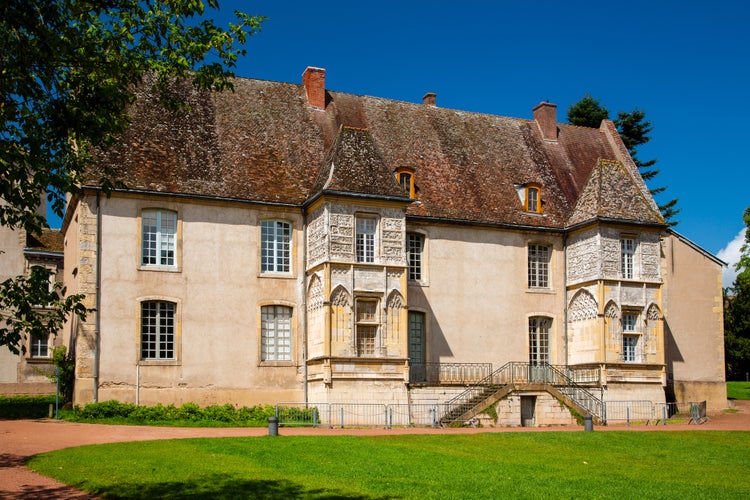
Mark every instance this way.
x=531 y=197
x=405 y=179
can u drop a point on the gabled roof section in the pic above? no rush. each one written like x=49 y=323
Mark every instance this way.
x=611 y=192
x=355 y=166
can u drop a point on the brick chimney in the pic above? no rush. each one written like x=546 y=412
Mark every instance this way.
x=314 y=80
x=545 y=115
x=430 y=99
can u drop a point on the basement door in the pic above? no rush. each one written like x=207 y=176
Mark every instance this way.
x=528 y=411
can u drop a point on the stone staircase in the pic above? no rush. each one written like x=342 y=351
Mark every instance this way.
x=514 y=377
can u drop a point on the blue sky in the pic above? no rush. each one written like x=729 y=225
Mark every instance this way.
x=686 y=63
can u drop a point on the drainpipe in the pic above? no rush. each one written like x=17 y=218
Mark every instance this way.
x=565 y=295
x=98 y=323
x=304 y=306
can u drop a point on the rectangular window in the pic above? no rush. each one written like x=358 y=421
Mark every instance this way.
x=367 y=326
x=627 y=253
x=417 y=372
x=365 y=239
x=158 y=238
x=276 y=333
x=532 y=199
x=157 y=330
x=276 y=237
x=39 y=346
x=629 y=323
x=629 y=348
x=539 y=256
x=414 y=247
x=539 y=340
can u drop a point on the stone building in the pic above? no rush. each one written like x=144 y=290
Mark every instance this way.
x=289 y=243
x=28 y=372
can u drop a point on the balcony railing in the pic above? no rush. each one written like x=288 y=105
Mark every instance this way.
x=448 y=373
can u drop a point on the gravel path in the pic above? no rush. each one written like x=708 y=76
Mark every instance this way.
x=20 y=439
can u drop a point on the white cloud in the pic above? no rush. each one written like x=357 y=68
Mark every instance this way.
x=731 y=254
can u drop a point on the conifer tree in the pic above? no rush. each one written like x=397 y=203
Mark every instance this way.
x=635 y=131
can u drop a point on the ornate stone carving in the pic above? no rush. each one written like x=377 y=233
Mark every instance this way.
x=583 y=306
x=583 y=257
x=315 y=294
x=317 y=240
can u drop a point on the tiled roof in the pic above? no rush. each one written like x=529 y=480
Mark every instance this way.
x=612 y=193
x=50 y=240
x=263 y=143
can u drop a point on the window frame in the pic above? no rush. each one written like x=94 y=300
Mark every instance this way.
x=415 y=261
x=35 y=341
x=162 y=240
x=280 y=337
x=536 y=189
x=631 y=336
x=365 y=239
x=539 y=335
x=367 y=327
x=405 y=179
x=538 y=266
x=171 y=337
x=628 y=249
x=276 y=251
x=630 y=348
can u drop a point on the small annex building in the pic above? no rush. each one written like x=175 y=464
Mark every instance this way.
x=29 y=372
x=288 y=243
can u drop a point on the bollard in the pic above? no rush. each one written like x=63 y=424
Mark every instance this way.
x=273 y=426
x=588 y=423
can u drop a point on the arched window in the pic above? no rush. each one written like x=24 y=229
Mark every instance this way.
x=405 y=178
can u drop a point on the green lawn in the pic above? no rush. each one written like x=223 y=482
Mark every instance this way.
x=693 y=464
x=738 y=390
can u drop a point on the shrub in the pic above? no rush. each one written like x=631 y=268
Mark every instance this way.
x=20 y=407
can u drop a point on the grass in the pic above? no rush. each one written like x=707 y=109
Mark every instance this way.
x=703 y=464
x=738 y=390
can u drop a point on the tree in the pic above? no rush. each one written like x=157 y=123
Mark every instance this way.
x=737 y=314
x=68 y=71
x=588 y=112
x=634 y=130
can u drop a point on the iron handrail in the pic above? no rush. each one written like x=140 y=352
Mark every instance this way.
x=515 y=372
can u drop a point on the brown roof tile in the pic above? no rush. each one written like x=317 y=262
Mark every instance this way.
x=263 y=143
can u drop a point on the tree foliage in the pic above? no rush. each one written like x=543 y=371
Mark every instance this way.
x=635 y=131
x=32 y=306
x=737 y=314
x=68 y=71
x=588 y=112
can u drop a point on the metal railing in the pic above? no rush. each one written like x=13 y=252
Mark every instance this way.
x=388 y=416
x=343 y=415
x=650 y=412
x=448 y=373
x=523 y=373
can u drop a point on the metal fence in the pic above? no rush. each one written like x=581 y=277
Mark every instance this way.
x=358 y=415
x=656 y=413
x=341 y=415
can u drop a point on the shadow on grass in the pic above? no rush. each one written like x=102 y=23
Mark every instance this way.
x=217 y=487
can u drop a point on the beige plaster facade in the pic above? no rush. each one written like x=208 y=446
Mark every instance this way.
x=28 y=372
x=382 y=252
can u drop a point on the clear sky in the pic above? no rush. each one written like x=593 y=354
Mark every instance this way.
x=685 y=63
